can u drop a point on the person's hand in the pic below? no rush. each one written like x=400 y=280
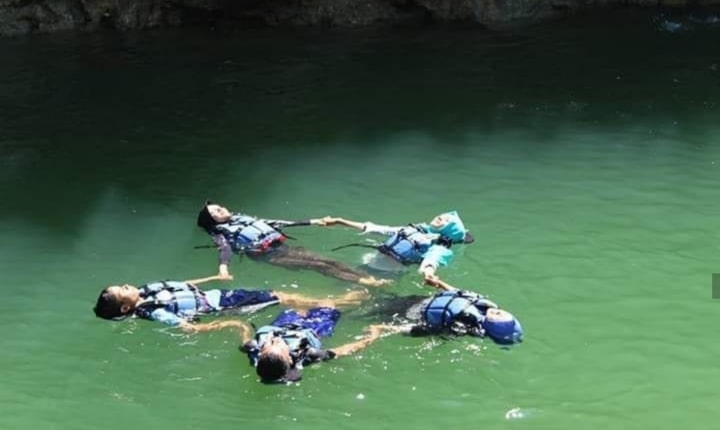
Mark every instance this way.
x=325 y=221
x=431 y=278
x=224 y=277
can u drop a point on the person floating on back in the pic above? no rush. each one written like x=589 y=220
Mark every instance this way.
x=454 y=312
x=262 y=240
x=425 y=244
x=180 y=303
x=279 y=351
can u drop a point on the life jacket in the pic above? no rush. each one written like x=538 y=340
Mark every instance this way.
x=297 y=340
x=249 y=234
x=451 y=310
x=179 y=298
x=408 y=245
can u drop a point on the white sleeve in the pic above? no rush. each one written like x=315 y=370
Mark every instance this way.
x=380 y=229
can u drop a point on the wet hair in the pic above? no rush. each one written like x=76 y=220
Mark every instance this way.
x=271 y=367
x=469 y=319
x=108 y=307
x=205 y=220
x=444 y=241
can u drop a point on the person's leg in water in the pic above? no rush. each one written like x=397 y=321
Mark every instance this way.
x=301 y=258
x=241 y=300
x=300 y=302
x=391 y=307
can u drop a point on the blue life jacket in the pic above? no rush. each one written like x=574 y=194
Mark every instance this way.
x=448 y=309
x=297 y=340
x=249 y=234
x=408 y=245
x=179 y=298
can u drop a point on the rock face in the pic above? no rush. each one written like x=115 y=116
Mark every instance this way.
x=28 y=16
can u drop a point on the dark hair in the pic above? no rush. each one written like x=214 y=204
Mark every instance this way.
x=108 y=307
x=444 y=241
x=205 y=220
x=271 y=367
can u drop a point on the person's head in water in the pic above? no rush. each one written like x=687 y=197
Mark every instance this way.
x=502 y=326
x=117 y=302
x=211 y=215
x=450 y=225
x=440 y=221
x=274 y=362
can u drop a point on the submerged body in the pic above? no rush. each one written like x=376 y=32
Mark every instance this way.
x=263 y=240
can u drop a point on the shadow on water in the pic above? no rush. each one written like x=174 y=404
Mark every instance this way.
x=149 y=112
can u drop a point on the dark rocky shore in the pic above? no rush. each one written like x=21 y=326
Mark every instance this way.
x=19 y=17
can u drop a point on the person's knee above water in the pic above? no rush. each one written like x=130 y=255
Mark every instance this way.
x=235 y=233
x=426 y=244
x=179 y=303
x=279 y=351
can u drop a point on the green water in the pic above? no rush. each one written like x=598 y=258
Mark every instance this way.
x=583 y=156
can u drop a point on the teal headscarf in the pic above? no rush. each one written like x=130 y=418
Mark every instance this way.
x=454 y=229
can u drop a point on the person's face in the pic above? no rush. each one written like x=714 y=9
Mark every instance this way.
x=440 y=221
x=126 y=295
x=219 y=213
x=498 y=315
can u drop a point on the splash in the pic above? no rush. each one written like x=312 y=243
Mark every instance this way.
x=515 y=414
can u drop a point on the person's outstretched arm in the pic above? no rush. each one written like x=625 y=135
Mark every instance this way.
x=189 y=327
x=199 y=281
x=225 y=254
x=436 y=257
x=280 y=223
x=438 y=283
x=365 y=227
x=375 y=332
x=328 y=220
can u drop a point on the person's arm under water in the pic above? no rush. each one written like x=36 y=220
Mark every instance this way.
x=183 y=323
x=375 y=332
x=279 y=223
x=189 y=327
x=225 y=254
